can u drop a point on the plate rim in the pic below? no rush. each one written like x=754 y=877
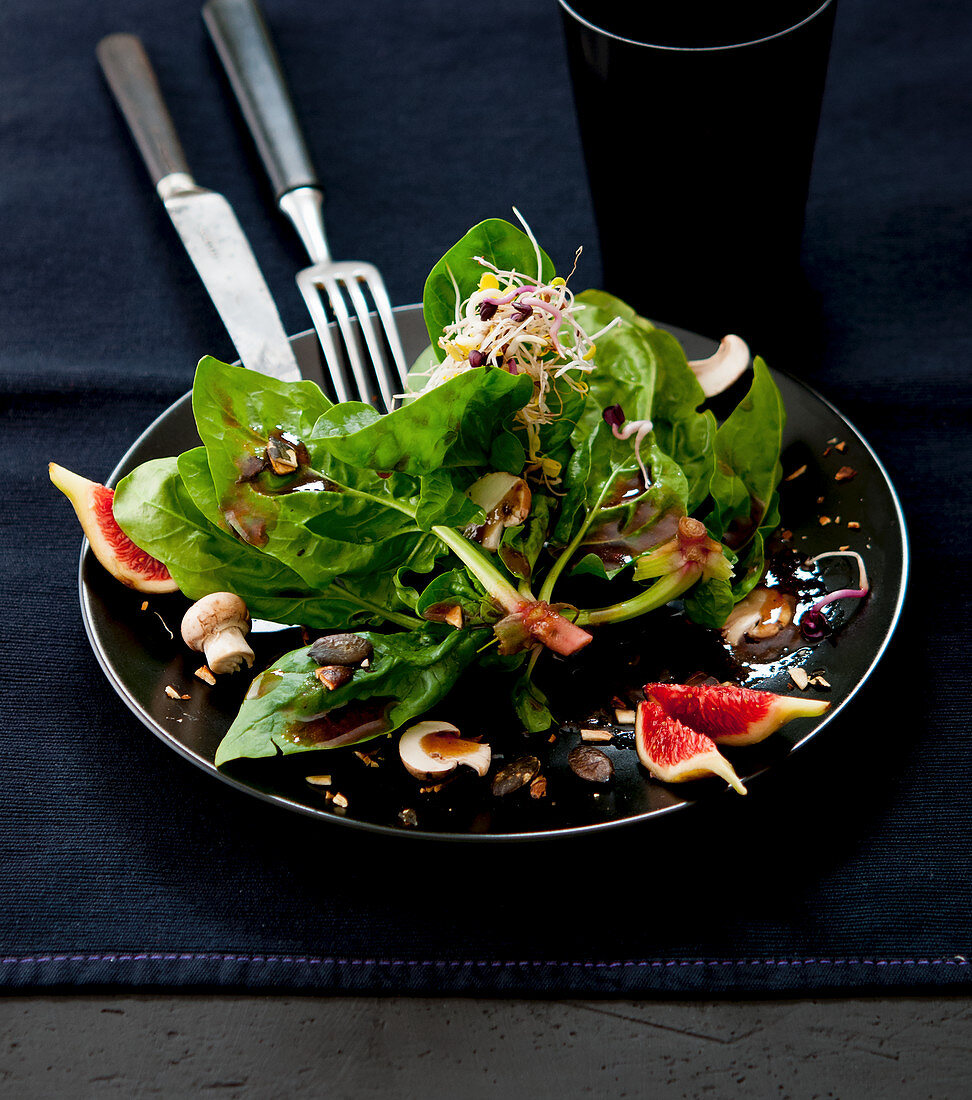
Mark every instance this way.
x=320 y=814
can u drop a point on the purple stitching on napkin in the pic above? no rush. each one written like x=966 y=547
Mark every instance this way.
x=955 y=960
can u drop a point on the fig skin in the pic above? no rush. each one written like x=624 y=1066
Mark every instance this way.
x=731 y=715
x=109 y=543
x=674 y=753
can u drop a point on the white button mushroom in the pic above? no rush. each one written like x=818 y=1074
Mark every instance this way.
x=215 y=626
x=506 y=501
x=430 y=750
x=720 y=370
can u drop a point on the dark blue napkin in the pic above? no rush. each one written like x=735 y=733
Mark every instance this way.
x=122 y=864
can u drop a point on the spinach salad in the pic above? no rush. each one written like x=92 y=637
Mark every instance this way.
x=550 y=443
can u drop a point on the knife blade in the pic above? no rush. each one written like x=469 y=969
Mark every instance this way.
x=203 y=219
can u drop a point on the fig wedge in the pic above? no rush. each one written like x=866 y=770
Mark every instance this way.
x=731 y=715
x=674 y=753
x=109 y=543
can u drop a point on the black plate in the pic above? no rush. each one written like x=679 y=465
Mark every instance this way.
x=140 y=658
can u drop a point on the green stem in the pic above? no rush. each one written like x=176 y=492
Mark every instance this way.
x=408 y=621
x=568 y=552
x=483 y=569
x=664 y=589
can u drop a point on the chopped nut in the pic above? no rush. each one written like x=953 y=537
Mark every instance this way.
x=596 y=735
x=624 y=717
x=433 y=789
x=845 y=473
x=318 y=780
x=833 y=441
x=819 y=681
x=820 y=500
x=204 y=674
x=843 y=548
x=853 y=525
x=824 y=520
x=842 y=446
x=786 y=534
x=796 y=473
x=800 y=678
x=340 y=801
x=365 y=759
x=281 y=456
x=144 y=606
x=408 y=817
x=454 y=617
x=333 y=676
x=538 y=788
x=836 y=519
x=551 y=739
x=172 y=693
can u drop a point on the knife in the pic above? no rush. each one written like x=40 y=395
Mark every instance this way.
x=203 y=219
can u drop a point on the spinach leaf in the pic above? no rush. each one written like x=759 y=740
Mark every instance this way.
x=454 y=424
x=321 y=528
x=747 y=454
x=456 y=589
x=531 y=705
x=644 y=370
x=495 y=240
x=521 y=545
x=710 y=602
x=155 y=509
x=607 y=506
x=288 y=710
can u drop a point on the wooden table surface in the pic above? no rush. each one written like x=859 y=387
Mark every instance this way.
x=224 y=1045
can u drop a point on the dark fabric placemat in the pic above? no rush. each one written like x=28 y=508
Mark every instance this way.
x=122 y=864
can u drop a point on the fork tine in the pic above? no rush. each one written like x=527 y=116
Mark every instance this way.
x=375 y=349
x=332 y=357
x=384 y=307
x=335 y=297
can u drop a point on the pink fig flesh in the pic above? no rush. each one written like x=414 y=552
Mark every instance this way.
x=109 y=543
x=674 y=753
x=731 y=715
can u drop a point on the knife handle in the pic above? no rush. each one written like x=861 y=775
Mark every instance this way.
x=135 y=87
x=243 y=43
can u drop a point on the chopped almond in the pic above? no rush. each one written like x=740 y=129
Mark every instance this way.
x=318 y=780
x=820 y=500
x=845 y=473
x=340 y=801
x=853 y=525
x=800 y=678
x=597 y=735
x=624 y=717
x=204 y=674
x=144 y=606
x=796 y=473
x=538 y=788
x=842 y=446
x=366 y=759
x=824 y=520
x=172 y=693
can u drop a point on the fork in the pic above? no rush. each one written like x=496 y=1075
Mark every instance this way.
x=246 y=51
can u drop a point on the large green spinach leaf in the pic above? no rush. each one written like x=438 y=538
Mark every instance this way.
x=288 y=710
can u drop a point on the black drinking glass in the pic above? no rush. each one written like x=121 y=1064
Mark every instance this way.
x=698 y=121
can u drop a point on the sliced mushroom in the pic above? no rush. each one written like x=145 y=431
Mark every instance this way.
x=430 y=750
x=506 y=501
x=723 y=367
x=762 y=614
x=215 y=626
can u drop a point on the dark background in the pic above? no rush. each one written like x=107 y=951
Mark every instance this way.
x=849 y=867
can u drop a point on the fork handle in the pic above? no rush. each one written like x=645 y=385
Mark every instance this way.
x=133 y=83
x=243 y=43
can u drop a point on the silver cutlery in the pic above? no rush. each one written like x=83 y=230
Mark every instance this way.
x=203 y=219
x=243 y=43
